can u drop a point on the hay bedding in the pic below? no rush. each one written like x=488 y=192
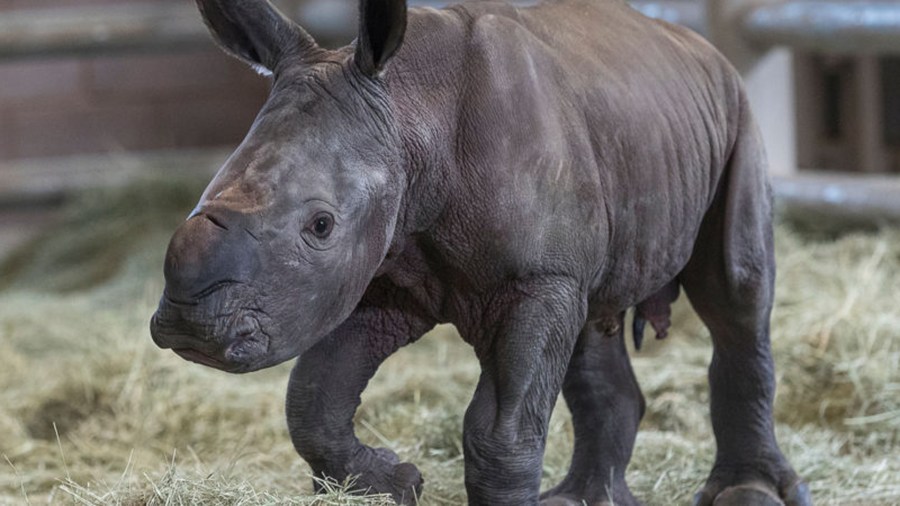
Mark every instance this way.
x=92 y=413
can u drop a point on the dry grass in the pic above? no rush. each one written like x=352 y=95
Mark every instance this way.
x=92 y=413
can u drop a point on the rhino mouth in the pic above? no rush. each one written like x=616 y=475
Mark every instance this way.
x=241 y=355
x=230 y=340
x=198 y=357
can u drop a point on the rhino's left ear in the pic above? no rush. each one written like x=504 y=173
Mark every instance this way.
x=382 y=24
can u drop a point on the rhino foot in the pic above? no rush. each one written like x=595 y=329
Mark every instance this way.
x=753 y=493
x=567 y=495
x=379 y=471
x=569 y=500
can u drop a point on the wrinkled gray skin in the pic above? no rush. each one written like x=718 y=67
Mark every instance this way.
x=525 y=174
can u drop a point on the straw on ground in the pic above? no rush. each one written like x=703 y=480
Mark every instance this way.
x=92 y=413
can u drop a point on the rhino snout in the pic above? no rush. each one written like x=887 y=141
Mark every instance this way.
x=207 y=253
x=203 y=315
x=229 y=342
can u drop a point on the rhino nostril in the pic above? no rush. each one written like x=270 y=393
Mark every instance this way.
x=215 y=221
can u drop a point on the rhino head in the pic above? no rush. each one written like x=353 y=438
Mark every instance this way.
x=294 y=226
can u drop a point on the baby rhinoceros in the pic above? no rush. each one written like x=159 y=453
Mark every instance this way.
x=526 y=174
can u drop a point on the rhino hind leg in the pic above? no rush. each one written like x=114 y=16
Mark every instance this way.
x=606 y=404
x=730 y=282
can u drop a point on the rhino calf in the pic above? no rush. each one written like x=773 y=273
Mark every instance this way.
x=525 y=174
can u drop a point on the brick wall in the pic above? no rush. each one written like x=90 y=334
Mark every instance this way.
x=62 y=107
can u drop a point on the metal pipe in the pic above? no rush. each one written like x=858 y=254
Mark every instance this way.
x=838 y=201
x=335 y=21
x=680 y=12
x=842 y=27
x=144 y=27
x=837 y=27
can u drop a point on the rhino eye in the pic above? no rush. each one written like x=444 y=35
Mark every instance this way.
x=321 y=225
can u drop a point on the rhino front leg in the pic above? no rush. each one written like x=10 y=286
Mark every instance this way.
x=606 y=404
x=524 y=348
x=324 y=393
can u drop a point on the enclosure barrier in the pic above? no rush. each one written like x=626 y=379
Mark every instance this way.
x=836 y=202
x=849 y=27
x=832 y=26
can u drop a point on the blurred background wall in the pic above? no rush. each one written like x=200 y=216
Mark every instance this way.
x=102 y=76
x=848 y=111
x=56 y=105
x=93 y=92
x=60 y=107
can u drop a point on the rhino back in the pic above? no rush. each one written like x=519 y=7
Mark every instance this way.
x=575 y=137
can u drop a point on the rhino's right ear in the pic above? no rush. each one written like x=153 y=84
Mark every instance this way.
x=382 y=25
x=256 y=32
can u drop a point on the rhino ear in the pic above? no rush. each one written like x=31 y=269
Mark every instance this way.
x=382 y=24
x=255 y=32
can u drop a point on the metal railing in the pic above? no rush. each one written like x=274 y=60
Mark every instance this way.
x=828 y=26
